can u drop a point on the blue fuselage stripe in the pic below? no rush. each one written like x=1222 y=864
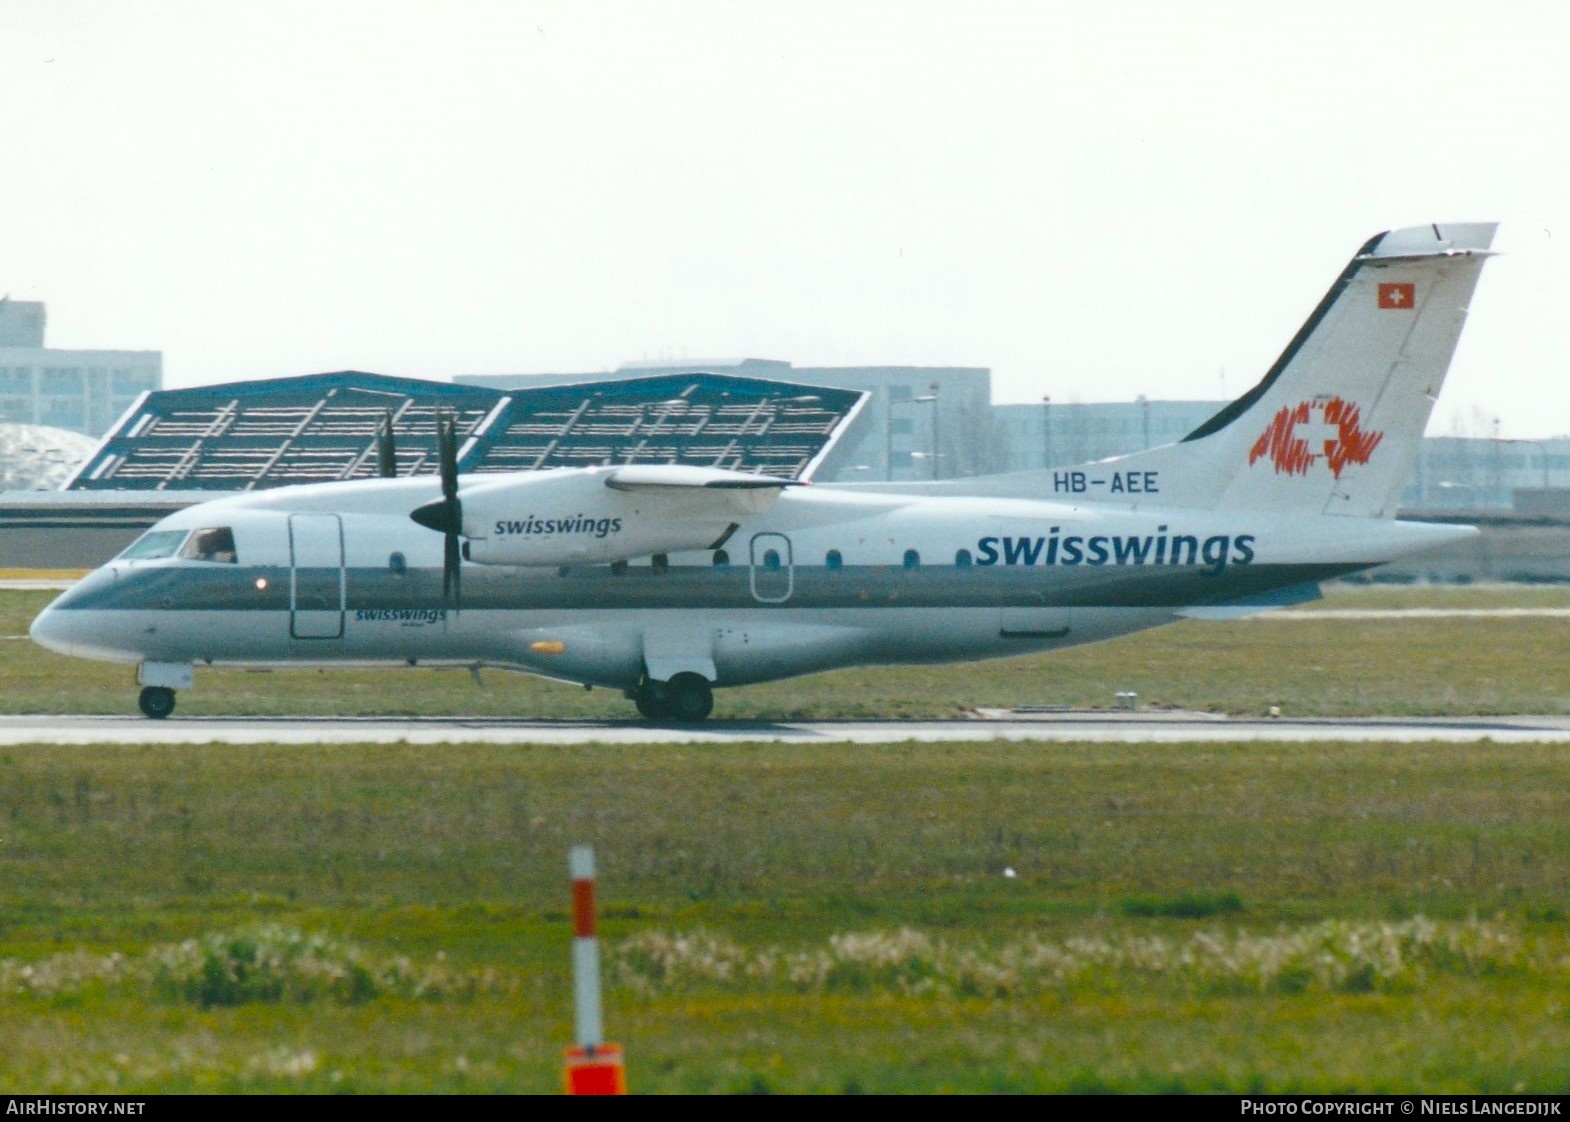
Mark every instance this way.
x=245 y=588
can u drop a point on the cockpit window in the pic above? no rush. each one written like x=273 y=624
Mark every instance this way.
x=154 y=544
x=213 y=544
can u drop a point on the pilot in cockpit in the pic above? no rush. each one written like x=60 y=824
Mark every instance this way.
x=215 y=544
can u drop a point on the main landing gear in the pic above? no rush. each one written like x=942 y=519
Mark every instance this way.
x=686 y=699
x=156 y=702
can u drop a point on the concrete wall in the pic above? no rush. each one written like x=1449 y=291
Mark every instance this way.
x=61 y=530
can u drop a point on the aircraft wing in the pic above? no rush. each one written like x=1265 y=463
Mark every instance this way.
x=744 y=492
x=681 y=477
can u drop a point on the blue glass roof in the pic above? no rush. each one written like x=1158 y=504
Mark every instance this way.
x=249 y=435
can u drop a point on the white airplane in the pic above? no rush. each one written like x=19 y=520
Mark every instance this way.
x=667 y=581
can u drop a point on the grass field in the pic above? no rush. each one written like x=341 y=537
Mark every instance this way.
x=789 y=919
x=812 y=919
x=1331 y=667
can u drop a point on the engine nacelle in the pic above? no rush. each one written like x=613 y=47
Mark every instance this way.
x=584 y=517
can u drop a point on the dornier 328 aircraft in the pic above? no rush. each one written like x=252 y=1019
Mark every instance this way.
x=666 y=581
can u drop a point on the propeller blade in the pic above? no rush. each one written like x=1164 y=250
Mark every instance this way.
x=386 y=452
x=446 y=514
x=452 y=569
x=447 y=455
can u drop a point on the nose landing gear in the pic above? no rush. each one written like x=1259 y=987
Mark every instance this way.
x=159 y=680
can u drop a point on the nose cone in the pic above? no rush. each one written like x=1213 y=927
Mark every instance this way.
x=52 y=629
x=71 y=625
x=34 y=631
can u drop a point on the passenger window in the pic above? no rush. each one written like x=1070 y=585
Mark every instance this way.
x=153 y=544
x=833 y=561
x=771 y=560
x=912 y=559
x=214 y=544
x=962 y=559
x=721 y=559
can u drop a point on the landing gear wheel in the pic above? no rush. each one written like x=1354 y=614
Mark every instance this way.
x=156 y=702
x=689 y=697
x=652 y=703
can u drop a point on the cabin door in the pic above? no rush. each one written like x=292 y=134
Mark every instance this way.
x=316 y=577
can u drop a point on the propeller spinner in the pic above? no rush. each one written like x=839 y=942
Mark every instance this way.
x=445 y=515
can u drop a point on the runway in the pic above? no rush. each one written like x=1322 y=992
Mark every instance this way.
x=1106 y=726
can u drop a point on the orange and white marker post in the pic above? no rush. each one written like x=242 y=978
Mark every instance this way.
x=593 y=1066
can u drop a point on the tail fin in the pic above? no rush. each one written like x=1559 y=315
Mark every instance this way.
x=1334 y=426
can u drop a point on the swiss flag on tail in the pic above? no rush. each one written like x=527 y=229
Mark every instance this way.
x=1399 y=294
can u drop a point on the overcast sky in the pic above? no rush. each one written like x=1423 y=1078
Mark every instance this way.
x=1095 y=200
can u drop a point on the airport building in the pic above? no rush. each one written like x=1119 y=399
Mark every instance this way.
x=1459 y=473
x=83 y=391
x=40 y=458
x=1056 y=434
x=866 y=424
x=919 y=422
x=174 y=448
x=325 y=428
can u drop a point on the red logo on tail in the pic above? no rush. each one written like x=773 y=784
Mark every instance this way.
x=1301 y=436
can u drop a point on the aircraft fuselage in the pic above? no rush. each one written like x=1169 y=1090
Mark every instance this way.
x=339 y=574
